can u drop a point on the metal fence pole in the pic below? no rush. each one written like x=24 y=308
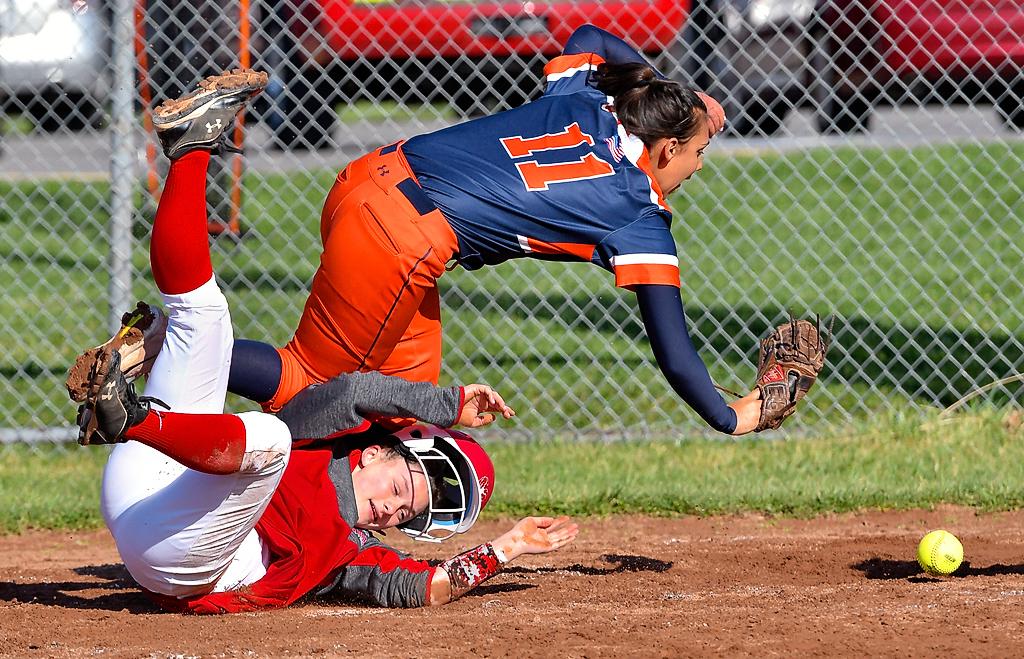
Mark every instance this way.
x=121 y=161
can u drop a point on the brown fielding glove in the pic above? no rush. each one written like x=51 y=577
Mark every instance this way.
x=791 y=358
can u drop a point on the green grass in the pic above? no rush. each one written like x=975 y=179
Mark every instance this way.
x=15 y=124
x=378 y=112
x=893 y=464
x=921 y=260
x=896 y=463
x=49 y=488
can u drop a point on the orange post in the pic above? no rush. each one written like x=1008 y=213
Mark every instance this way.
x=244 y=60
x=142 y=64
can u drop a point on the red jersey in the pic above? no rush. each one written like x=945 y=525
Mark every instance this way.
x=314 y=548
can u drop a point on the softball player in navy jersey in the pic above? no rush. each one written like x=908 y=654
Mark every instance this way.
x=580 y=174
x=219 y=513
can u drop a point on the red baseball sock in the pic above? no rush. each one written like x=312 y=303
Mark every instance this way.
x=179 y=251
x=210 y=443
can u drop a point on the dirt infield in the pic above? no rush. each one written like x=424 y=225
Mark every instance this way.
x=843 y=585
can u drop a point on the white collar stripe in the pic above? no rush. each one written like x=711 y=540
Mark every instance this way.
x=568 y=73
x=633 y=147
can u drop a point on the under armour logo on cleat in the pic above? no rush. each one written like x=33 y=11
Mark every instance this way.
x=108 y=391
x=383 y=170
x=210 y=127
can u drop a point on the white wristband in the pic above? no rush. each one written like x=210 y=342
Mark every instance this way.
x=498 y=554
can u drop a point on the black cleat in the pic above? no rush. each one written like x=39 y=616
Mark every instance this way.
x=200 y=120
x=111 y=406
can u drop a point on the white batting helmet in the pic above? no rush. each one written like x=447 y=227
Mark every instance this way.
x=466 y=474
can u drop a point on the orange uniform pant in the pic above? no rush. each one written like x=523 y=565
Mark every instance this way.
x=374 y=304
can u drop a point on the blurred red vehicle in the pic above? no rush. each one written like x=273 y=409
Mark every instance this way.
x=400 y=30
x=478 y=56
x=962 y=37
x=843 y=57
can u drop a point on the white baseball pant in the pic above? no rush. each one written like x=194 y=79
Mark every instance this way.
x=181 y=532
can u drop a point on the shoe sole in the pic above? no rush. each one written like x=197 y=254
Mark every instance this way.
x=174 y=112
x=130 y=341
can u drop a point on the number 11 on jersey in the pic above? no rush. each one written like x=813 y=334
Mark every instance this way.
x=537 y=177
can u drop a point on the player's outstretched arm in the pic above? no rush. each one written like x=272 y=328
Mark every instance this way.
x=591 y=39
x=347 y=400
x=531 y=535
x=661 y=309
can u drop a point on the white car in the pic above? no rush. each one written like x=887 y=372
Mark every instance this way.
x=53 y=61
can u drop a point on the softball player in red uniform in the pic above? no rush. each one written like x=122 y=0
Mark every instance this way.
x=217 y=513
x=581 y=174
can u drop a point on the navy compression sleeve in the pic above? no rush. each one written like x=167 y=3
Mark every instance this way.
x=255 y=370
x=661 y=309
x=590 y=39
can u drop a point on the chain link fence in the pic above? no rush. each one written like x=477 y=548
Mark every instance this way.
x=872 y=169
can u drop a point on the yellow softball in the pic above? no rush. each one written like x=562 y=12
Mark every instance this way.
x=940 y=553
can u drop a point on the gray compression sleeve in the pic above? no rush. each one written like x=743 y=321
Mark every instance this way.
x=385 y=575
x=343 y=403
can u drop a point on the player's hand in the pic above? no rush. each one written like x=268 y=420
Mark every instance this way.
x=716 y=114
x=481 y=406
x=748 y=412
x=537 y=535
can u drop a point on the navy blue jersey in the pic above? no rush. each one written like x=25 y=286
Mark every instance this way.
x=558 y=178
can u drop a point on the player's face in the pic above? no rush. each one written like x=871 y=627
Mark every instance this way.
x=674 y=161
x=388 y=489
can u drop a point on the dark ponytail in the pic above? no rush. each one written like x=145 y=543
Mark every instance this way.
x=649 y=107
